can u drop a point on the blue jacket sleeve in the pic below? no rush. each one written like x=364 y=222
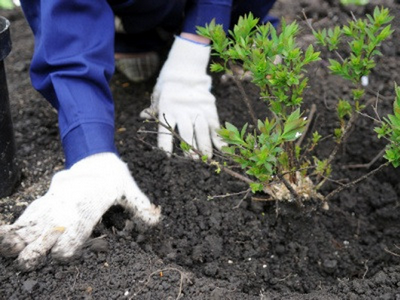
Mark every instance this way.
x=72 y=64
x=225 y=12
x=201 y=12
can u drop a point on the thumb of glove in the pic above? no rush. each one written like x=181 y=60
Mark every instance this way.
x=151 y=112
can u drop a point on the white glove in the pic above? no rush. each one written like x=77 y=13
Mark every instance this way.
x=63 y=219
x=182 y=98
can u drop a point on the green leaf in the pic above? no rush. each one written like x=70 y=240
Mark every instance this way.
x=293 y=126
x=243 y=131
x=256 y=187
x=228 y=150
x=215 y=67
x=383 y=131
x=344 y=109
x=358 y=93
x=392 y=154
x=316 y=137
x=185 y=146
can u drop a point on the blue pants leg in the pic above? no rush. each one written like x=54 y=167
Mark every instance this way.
x=142 y=21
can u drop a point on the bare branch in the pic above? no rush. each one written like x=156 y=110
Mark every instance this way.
x=354 y=182
x=368 y=165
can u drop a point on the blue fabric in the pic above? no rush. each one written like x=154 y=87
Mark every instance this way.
x=142 y=20
x=74 y=56
x=202 y=12
x=72 y=65
x=225 y=12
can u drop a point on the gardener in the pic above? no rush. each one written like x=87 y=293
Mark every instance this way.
x=72 y=64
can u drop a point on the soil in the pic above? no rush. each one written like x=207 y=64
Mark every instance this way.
x=208 y=246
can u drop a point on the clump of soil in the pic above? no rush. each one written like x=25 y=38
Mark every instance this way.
x=216 y=247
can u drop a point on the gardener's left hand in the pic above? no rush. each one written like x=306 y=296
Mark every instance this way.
x=63 y=219
x=182 y=99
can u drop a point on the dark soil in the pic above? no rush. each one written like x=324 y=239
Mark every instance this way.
x=224 y=247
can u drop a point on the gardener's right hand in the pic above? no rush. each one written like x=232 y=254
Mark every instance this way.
x=182 y=99
x=63 y=219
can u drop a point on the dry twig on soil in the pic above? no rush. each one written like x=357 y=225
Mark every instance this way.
x=161 y=272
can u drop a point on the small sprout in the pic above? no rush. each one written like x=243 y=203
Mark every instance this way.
x=185 y=146
x=316 y=137
x=218 y=167
x=355 y=2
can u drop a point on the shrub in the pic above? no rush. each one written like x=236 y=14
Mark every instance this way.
x=271 y=154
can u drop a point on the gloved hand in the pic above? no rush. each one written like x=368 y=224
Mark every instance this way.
x=182 y=98
x=63 y=219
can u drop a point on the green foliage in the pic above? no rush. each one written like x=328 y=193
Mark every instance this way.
x=354 y=2
x=261 y=152
x=269 y=152
x=361 y=38
x=185 y=146
x=329 y=38
x=365 y=35
x=390 y=129
x=344 y=109
x=6 y=4
x=316 y=137
x=256 y=47
x=322 y=167
x=270 y=148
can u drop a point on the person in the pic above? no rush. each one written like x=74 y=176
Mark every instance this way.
x=72 y=64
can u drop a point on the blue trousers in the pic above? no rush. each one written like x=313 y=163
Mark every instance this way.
x=73 y=60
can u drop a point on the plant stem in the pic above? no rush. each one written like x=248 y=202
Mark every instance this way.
x=368 y=165
x=225 y=169
x=310 y=117
x=289 y=148
x=354 y=182
x=291 y=190
x=236 y=175
x=244 y=97
x=342 y=140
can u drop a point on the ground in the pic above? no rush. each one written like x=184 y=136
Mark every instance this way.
x=224 y=247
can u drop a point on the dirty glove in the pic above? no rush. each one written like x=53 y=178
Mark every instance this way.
x=64 y=218
x=182 y=98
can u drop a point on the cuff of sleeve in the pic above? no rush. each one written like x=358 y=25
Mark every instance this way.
x=186 y=57
x=88 y=139
x=204 y=13
x=191 y=41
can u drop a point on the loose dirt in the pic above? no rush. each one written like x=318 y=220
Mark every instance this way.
x=210 y=247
